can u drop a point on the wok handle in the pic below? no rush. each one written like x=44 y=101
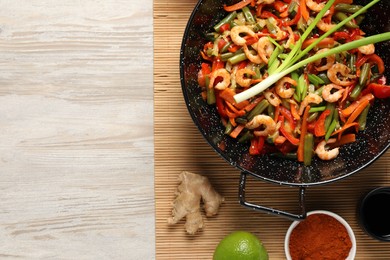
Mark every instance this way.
x=268 y=210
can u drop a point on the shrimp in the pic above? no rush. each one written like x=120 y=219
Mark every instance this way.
x=280 y=34
x=325 y=154
x=241 y=78
x=340 y=69
x=329 y=61
x=316 y=7
x=265 y=48
x=326 y=93
x=240 y=29
x=220 y=73
x=272 y=98
x=291 y=38
x=262 y=120
x=324 y=26
x=367 y=49
x=252 y=57
x=281 y=89
x=310 y=98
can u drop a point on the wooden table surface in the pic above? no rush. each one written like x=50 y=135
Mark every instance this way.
x=76 y=129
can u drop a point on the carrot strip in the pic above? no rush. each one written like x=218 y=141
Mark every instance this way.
x=277 y=112
x=304 y=11
x=232 y=121
x=345 y=139
x=235 y=110
x=236 y=131
x=228 y=95
x=359 y=109
x=342 y=129
x=303 y=134
x=294 y=111
x=348 y=111
x=236 y=6
x=325 y=43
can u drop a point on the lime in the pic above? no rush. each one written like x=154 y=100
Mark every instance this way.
x=240 y=245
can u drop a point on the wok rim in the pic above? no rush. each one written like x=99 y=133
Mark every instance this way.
x=223 y=155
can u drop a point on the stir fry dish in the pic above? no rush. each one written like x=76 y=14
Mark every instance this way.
x=293 y=77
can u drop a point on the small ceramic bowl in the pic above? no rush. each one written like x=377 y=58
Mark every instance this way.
x=351 y=234
x=374 y=214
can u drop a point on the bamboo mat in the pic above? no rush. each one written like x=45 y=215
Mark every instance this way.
x=179 y=146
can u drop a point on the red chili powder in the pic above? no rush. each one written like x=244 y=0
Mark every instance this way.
x=320 y=236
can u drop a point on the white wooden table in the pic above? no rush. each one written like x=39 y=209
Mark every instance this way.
x=76 y=129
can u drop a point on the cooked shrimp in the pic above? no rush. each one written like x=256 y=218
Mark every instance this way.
x=316 y=7
x=367 y=49
x=236 y=31
x=324 y=26
x=272 y=98
x=291 y=38
x=329 y=61
x=342 y=70
x=332 y=97
x=310 y=98
x=262 y=121
x=325 y=154
x=281 y=89
x=252 y=57
x=265 y=48
x=220 y=73
x=280 y=34
x=241 y=78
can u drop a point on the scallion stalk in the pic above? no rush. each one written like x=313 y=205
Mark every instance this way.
x=260 y=87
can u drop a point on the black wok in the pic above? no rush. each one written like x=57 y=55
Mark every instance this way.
x=370 y=145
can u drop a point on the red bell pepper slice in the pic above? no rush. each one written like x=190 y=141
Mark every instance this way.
x=295 y=20
x=205 y=70
x=287 y=115
x=280 y=6
x=237 y=6
x=217 y=64
x=371 y=58
x=220 y=105
x=379 y=90
x=257 y=144
x=292 y=139
x=319 y=128
x=224 y=27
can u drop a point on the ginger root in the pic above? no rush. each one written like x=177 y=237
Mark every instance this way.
x=192 y=189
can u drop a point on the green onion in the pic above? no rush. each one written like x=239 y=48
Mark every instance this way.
x=273 y=67
x=227 y=19
x=210 y=91
x=308 y=148
x=332 y=108
x=330 y=130
x=317 y=109
x=248 y=15
x=315 y=80
x=340 y=16
x=296 y=54
x=275 y=43
x=363 y=118
x=260 y=87
x=347 y=8
x=237 y=58
x=258 y=109
x=228 y=128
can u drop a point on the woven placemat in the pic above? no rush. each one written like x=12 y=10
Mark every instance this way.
x=179 y=146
